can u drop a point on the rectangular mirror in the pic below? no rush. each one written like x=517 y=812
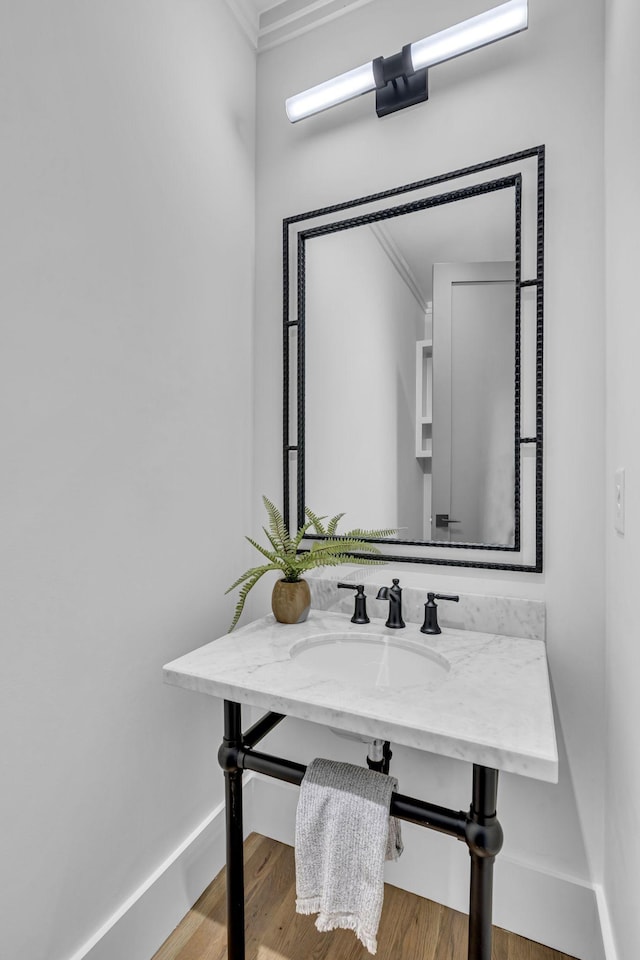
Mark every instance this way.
x=413 y=364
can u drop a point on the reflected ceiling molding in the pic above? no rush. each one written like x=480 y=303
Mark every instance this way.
x=392 y=251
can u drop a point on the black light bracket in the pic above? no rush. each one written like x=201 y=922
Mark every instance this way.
x=398 y=85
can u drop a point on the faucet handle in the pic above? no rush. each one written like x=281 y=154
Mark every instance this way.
x=431 y=624
x=360 y=609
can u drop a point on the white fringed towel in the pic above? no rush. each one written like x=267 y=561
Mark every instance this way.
x=343 y=836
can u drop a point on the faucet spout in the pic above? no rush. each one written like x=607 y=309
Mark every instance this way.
x=394 y=595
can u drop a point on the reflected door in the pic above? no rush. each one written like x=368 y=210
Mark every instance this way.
x=473 y=465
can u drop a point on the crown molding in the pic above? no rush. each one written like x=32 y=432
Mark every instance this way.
x=268 y=25
x=247 y=16
x=392 y=251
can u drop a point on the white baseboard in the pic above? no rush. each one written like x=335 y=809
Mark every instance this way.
x=561 y=912
x=610 y=950
x=143 y=922
x=558 y=911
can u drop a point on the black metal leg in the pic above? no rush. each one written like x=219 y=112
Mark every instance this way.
x=480 y=828
x=480 y=907
x=484 y=837
x=235 y=853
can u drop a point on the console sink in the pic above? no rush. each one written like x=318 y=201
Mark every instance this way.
x=369 y=660
x=484 y=698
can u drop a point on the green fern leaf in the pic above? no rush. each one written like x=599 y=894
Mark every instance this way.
x=248 y=585
x=333 y=524
x=316 y=521
x=277 y=525
x=287 y=557
x=301 y=533
x=344 y=545
x=277 y=548
x=272 y=556
x=248 y=574
x=371 y=534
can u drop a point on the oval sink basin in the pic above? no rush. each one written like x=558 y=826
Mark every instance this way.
x=369 y=660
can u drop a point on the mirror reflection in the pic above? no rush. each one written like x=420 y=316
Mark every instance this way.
x=410 y=372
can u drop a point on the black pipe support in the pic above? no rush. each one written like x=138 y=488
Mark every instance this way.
x=232 y=747
x=277 y=767
x=484 y=839
x=484 y=796
x=229 y=757
x=424 y=814
x=452 y=822
x=232 y=721
x=483 y=836
x=261 y=728
x=479 y=828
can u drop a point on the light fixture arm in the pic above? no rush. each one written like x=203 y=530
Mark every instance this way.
x=398 y=85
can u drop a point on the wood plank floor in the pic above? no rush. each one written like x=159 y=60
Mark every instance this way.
x=411 y=927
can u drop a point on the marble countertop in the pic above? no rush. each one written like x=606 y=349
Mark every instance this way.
x=493 y=706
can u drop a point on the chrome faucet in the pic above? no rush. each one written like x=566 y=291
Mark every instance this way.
x=394 y=595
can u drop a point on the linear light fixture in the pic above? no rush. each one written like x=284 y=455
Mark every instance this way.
x=401 y=80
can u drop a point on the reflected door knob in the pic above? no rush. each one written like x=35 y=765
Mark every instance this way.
x=443 y=520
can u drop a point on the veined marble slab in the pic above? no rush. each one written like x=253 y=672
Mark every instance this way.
x=511 y=616
x=492 y=707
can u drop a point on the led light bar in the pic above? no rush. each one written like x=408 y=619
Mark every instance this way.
x=501 y=21
x=328 y=94
x=494 y=24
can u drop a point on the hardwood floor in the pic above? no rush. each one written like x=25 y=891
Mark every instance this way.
x=411 y=927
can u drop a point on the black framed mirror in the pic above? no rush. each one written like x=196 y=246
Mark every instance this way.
x=413 y=364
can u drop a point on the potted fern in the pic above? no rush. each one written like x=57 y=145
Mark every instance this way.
x=291 y=597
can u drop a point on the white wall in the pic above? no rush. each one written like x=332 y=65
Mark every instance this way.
x=544 y=86
x=622 y=140
x=126 y=302
x=353 y=288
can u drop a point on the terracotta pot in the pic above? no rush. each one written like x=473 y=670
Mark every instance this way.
x=290 y=601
